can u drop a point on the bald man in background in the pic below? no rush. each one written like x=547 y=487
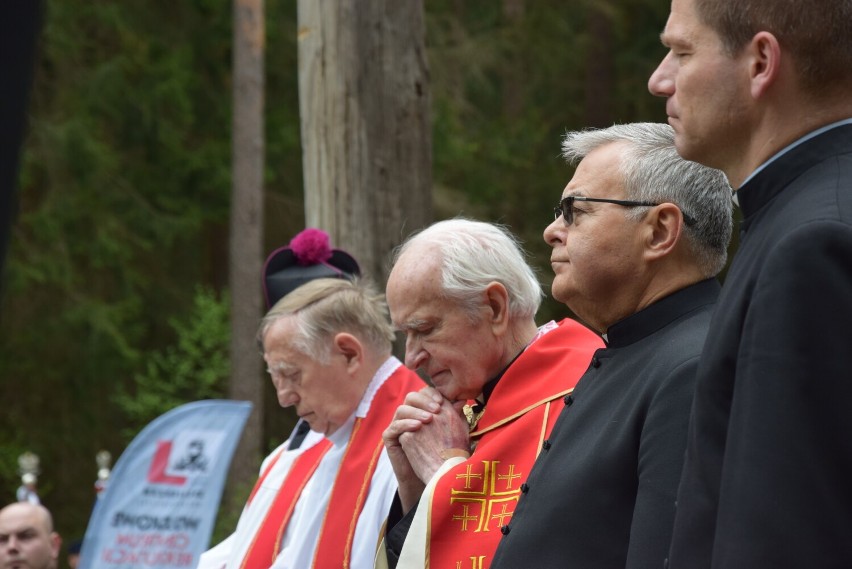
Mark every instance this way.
x=27 y=538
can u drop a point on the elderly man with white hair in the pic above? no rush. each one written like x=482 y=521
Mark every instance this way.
x=465 y=298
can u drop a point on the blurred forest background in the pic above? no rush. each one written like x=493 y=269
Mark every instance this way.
x=115 y=288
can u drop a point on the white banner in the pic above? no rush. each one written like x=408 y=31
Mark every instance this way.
x=159 y=507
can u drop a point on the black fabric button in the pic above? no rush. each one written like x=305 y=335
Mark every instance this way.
x=505 y=530
x=525 y=488
x=596 y=363
x=545 y=445
x=569 y=400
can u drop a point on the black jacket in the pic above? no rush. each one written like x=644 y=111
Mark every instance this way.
x=601 y=494
x=768 y=476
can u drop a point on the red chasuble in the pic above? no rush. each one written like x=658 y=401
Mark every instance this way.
x=474 y=499
x=334 y=544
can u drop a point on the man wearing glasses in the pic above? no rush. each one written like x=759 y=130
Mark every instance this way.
x=639 y=236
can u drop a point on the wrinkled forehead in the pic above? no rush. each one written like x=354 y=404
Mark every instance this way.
x=416 y=260
x=414 y=282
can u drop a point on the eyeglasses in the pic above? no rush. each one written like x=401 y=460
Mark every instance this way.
x=566 y=207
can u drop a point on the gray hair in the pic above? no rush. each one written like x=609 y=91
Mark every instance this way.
x=473 y=255
x=326 y=307
x=653 y=171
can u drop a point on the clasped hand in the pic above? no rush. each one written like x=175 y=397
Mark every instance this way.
x=425 y=429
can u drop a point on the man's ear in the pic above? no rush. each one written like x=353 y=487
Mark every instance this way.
x=497 y=302
x=351 y=348
x=662 y=230
x=55 y=545
x=764 y=53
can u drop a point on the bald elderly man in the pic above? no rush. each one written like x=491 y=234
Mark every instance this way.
x=27 y=538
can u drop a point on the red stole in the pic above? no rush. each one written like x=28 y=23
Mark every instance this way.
x=334 y=544
x=474 y=499
x=267 y=541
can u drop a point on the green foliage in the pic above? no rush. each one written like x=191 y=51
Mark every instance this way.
x=124 y=191
x=195 y=367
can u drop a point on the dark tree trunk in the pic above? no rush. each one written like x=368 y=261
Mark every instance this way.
x=246 y=255
x=599 y=70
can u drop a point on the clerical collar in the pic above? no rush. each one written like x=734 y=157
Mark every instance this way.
x=763 y=187
x=660 y=314
x=794 y=144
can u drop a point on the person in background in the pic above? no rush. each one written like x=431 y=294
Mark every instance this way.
x=638 y=238
x=327 y=346
x=762 y=90
x=465 y=298
x=27 y=538
x=73 y=553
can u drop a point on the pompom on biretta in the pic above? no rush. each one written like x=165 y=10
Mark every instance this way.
x=311 y=246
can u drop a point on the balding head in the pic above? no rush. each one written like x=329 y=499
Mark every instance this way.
x=27 y=538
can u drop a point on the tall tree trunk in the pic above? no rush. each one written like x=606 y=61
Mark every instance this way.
x=599 y=70
x=19 y=30
x=246 y=382
x=366 y=131
x=514 y=71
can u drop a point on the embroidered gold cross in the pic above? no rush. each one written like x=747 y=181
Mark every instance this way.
x=489 y=498
x=465 y=517
x=502 y=515
x=468 y=475
x=509 y=476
